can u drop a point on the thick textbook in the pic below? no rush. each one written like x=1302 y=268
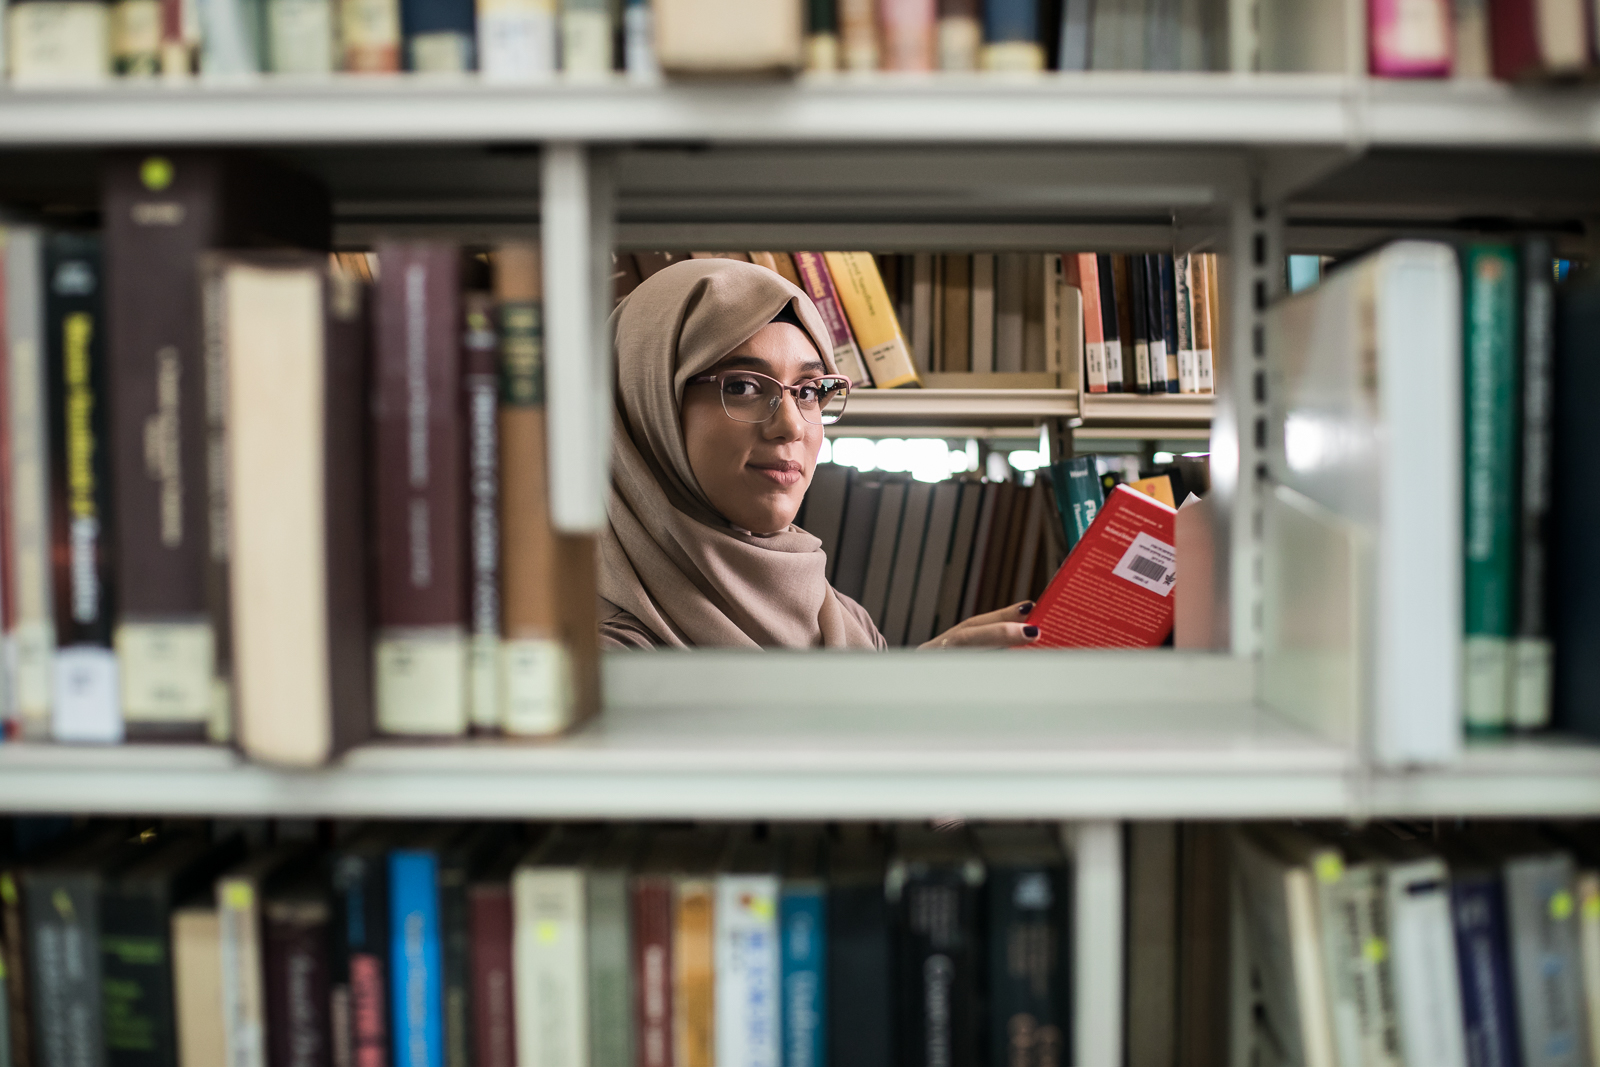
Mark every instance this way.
x=160 y=212
x=1114 y=590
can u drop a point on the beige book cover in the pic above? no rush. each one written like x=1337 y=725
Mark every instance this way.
x=197 y=984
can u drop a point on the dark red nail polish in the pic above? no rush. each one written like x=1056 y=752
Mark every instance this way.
x=1025 y=608
x=1030 y=631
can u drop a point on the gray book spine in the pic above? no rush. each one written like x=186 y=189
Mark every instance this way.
x=1544 y=960
x=880 y=564
x=610 y=970
x=955 y=569
x=64 y=956
x=907 y=559
x=935 y=553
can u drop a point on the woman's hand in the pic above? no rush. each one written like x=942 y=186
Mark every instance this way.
x=997 y=629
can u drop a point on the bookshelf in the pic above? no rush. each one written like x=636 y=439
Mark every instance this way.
x=1243 y=165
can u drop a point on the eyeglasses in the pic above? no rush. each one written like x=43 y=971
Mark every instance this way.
x=748 y=396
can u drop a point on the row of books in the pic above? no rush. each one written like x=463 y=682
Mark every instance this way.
x=208 y=454
x=499 y=945
x=1140 y=323
x=1460 y=945
x=921 y=557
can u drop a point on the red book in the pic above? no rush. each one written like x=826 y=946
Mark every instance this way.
x=818 y=284
x=490 y=915
x=1533 y=39
x=652 y=969
x=1115 y=589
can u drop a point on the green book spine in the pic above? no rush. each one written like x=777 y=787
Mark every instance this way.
x=1080 y=495
x=1490 y=432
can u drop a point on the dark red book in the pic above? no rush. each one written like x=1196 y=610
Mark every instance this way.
x=420 y=503
x=652 y=969
x=491 y=919
x=1537 y=39
x=1115 y=589
x=295 y=936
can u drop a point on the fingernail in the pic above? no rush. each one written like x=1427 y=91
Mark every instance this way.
x=1025 y=607
x=1030 y=631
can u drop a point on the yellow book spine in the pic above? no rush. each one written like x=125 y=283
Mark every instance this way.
x=866 y=305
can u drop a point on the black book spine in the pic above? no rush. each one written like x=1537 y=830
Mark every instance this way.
x=1167 y=270
x=1575 y=510
x=1029 y=1021
x=1140 y=316
x=359 y=960
x=295 y=942
x=1530 y=705
x=13 y=943
x=860 y=976
x=1108 y=319
x=79 y=470
x=64 y=952
x=939 y=1010
x=456 y=935
x=139 y=1018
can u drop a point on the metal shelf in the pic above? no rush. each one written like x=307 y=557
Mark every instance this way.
x=1100 y=108
x=1075 y=736
x=955 y=408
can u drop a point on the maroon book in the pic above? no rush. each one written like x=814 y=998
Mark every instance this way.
x=420 y=503
x=490 y=917
x=295 y=934
x=161 y=210
x=652 y=969
x=481 y=396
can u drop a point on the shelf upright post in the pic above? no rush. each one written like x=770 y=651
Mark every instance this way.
x=577 y=220
x=1252 y=268
x=1097 y=942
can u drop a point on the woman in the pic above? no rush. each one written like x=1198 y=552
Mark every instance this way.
x=722 y=386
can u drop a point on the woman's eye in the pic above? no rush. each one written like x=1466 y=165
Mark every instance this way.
x=808 y=394
x=740 y=387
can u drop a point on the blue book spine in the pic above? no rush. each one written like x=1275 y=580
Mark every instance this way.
x=1010 y=20
x=416 y=980
x=1478 y=910
x=803 y=926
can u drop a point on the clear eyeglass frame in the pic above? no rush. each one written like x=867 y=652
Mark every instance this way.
x=820 y=412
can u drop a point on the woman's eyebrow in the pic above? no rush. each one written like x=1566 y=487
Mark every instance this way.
x=812 y=367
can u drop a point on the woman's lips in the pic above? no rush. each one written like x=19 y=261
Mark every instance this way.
x=785 y=472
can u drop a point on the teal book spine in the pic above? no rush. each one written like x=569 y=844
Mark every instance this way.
x=1078 y=495
x=1492 y=337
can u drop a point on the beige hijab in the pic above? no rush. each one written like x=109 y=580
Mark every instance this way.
x=668 y=559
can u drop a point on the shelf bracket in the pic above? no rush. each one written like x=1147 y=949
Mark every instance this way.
x=577 y=220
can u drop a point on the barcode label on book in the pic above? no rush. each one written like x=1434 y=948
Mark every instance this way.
x=1150 y=563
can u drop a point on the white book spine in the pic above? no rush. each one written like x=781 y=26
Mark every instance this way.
x=33 y=637
x=550 y=974
x=517 y=40
x=243 y=999
x=1310 y=976
x=586 y=43
x=638 y=43
x=230 y=38
x=1422 y=946
x=747 y=970
x=301 y=36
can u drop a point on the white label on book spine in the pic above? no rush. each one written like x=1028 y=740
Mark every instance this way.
x=167 y=671
x=33 y=643
x=1149 y=563
x=85 y=707
x=422 y=682
x=516 y=40
x=538 y=686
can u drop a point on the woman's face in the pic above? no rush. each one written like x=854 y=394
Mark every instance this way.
x=756 y=474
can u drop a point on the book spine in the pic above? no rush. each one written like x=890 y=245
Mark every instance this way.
x=534 y=666
x=982 y=347
x=1213 y=317
x=1341 y=953
x=1490 y=478
x=361 y=1014
x=907 y=34
x=1010 y=279
x=417 y=954
x=1026 y=975
x=243 y=997
x=160 y=212
x=858 y=33
x=1153 y=323
x=1421 y=936
x=610 y=969
x=64 y=957
x=1409 y=38
x=481 y=389
x=1138 y=300
x=136 y=38
x=866 y=304
x=1183 y=279
x=231 y=34
x=1477 y=907
x=295 y=940
x=369 y=36
x=1202 y=281
x=439 y=35
x=653 y=970
x=818 y=284
x=493 y=1004
x=301 y=37
x=455 y=938
x=694 y=972
x=86 y=690
x=32 y=635
x=517 y=40
x=960 y=40
x=136 y=978
x=13 y=951
x=937 y=924
x=1166 y=270
x=860 y=976
x=1544 y=953
x=1087 y=275
x=1084 y=495
x=638 y=42
x=803 y=928
x=420 y=498
x=1110 y=323
x=551 y=967
x=747 y=970
x=59 y=43
x=1381 y=1024
x=1588 y=885
x=219 y=600
x=1532 y=653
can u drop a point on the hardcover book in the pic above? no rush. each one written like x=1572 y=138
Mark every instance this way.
x=818 y=284
x=934 y=884
x=872 y=318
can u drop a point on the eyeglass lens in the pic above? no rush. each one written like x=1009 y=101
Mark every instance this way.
x=754 y=398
